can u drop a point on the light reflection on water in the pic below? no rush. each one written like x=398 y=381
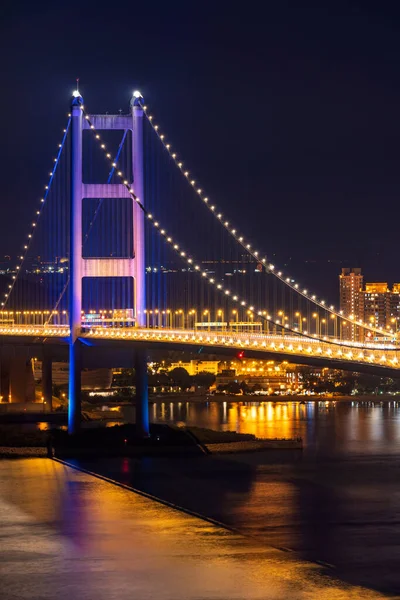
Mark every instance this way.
x=333 y=427
x=328 y=428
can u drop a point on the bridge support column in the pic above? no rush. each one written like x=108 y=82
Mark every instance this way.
x=142 y=394
x=5 y=381
x=75 y=267
x=138 y=214
x=74 y=387
x=22 y=384
x=47 y=381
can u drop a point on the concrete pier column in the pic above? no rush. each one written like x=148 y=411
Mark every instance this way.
x=5 y=381
x=47 y=381
x=138 y=214
x=74 y=387
x=22 y=384
x=75 y=267
x=142 y=394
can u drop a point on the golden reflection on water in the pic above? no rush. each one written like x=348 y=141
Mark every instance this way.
x=263 y=419
x=44 y=426
x=345 y=423
x=81 y=525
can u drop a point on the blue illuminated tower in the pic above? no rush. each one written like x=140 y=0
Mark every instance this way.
x=132 y=266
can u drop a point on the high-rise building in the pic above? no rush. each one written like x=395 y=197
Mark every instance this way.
x=377 y=305
x=351 y=300
x=395 y=307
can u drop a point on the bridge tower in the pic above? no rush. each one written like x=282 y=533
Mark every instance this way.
x=132 y=266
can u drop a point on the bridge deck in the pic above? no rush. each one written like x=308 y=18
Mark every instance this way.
x=296 y=348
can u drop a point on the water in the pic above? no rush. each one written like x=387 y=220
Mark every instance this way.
x=337 y=502
x=328 y=428
x=67 y=535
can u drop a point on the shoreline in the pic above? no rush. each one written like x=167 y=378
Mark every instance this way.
x=281 y=399
x=122 y=441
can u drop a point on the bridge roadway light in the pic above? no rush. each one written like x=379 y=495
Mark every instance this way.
x=180 y=312
x=207 y=313
x=322 y=321
x=316 y=316
x=281 y=313
x=333 y=317
x=300 y=321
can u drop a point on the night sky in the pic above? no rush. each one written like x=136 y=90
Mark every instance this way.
x=289 y=117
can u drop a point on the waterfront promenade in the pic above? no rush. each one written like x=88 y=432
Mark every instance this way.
x=65 y=534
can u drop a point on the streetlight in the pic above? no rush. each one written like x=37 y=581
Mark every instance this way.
x=266 y=320
x=220 y=313
x=300 y=321
x=194 y=313
x=251 y=316
x=284 y=318
x=316 y=316
x=323 y=321
x=207 y=312
x=334 y=326
x=235 y=314
x=180 y=312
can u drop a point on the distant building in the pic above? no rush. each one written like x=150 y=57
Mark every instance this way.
x=351 y=300
x=395 y=307
x=92 y=379
x=377 y=305
x=266 y=375
x=197 y=366
x=226 y=376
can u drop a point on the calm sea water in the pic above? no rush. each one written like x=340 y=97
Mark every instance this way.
x=337 y=502
x=327 y=428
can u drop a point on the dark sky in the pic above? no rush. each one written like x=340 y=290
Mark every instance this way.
x=289 y=116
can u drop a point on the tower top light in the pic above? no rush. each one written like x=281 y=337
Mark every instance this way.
x=137 y=99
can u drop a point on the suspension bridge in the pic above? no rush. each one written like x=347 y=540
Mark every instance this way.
x=126 y=252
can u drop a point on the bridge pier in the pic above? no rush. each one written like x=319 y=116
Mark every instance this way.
x=47 y=381
x=142 y=394
x=17 y=382
x=74 y=387
x=22 y=384
x=5 y=381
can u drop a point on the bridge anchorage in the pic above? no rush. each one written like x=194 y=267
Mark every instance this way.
x=101 y=278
